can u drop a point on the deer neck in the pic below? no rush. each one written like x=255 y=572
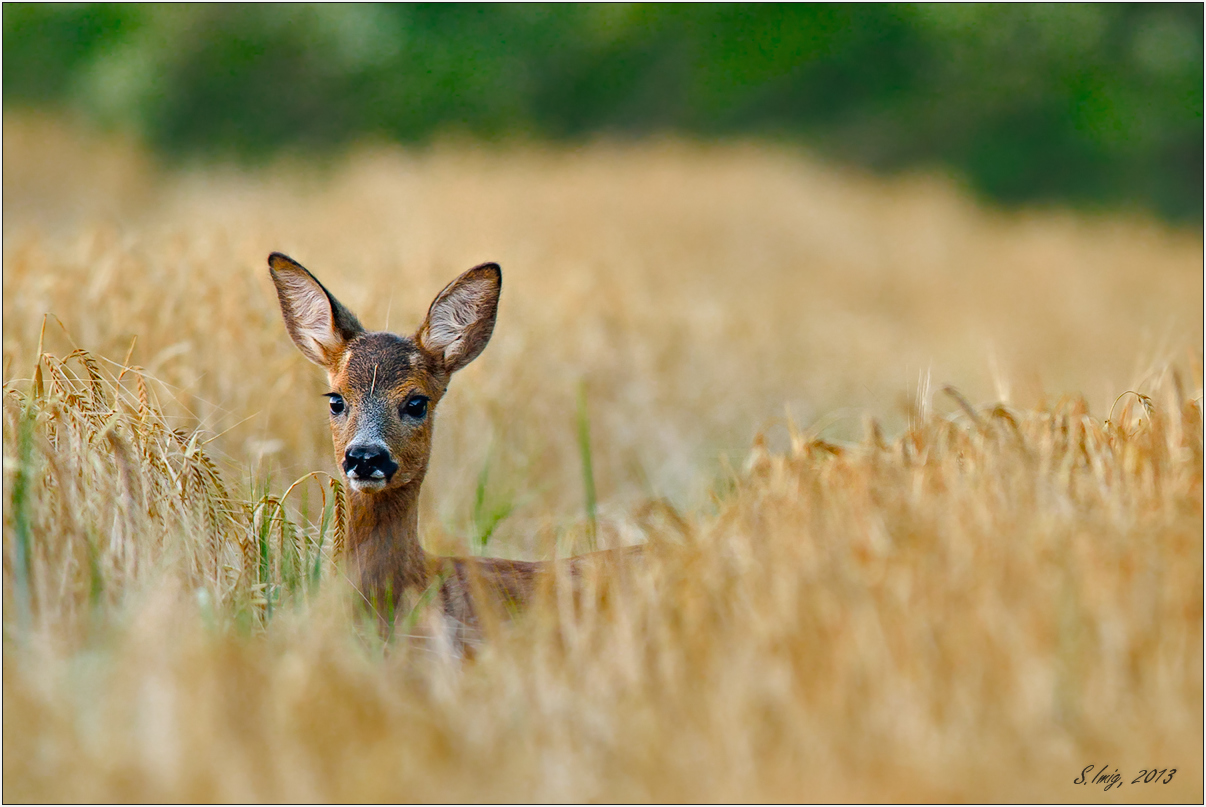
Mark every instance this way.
x=383 y=541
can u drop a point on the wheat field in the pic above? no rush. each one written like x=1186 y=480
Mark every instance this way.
x=923 y=479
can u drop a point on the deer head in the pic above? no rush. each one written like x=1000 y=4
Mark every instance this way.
x=385 y=387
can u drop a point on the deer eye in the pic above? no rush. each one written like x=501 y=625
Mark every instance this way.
x=337 y=404
x=416 y=407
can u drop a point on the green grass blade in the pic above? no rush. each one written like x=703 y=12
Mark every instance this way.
x=23 y=560
x=588 y=472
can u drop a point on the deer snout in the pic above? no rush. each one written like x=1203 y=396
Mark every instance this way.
x=369 y=463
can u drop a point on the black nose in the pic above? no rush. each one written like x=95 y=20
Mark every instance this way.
x=368 y=462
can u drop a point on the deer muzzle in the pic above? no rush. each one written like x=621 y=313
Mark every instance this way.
x=368 y=466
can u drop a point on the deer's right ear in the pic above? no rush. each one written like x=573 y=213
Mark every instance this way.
x=317 y=323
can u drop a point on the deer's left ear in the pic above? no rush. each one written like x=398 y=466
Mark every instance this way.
x=318 y=324
x=461 y=318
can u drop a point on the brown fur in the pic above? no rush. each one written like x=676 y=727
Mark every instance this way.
x=376 y=373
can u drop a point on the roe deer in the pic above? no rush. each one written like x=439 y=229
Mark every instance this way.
x=384 y=392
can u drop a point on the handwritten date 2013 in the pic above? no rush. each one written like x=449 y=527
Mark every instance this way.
x=1104 y=777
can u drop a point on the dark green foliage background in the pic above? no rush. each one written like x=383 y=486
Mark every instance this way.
x=1100 y=105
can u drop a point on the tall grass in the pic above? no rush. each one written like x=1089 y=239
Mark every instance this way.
x=965 y=589
x=588 y=469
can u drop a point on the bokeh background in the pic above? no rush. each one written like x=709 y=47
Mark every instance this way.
x=883 y=322
x=719 y=218
x=1098 y=104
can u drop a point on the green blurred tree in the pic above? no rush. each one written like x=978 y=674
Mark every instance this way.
x=1097 y=104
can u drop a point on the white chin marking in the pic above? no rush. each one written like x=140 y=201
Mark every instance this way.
x=367 y=485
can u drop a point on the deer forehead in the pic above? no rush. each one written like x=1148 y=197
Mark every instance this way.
x=385 y=364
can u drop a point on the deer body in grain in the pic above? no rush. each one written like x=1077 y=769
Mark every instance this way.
x=384 y=389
